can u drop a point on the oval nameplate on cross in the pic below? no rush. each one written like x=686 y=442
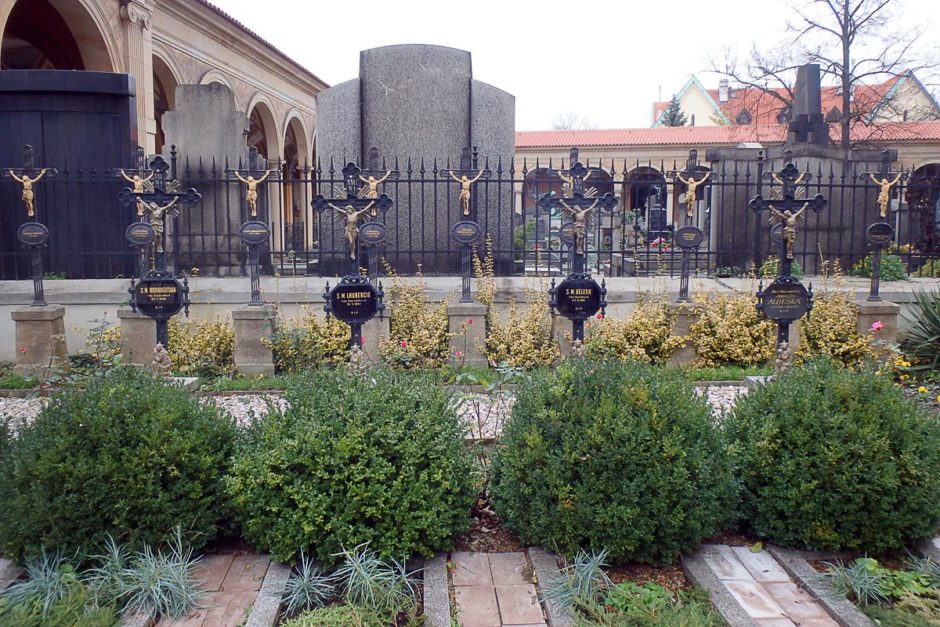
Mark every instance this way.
x=785 y=300
x=140 y=234
x=254 y=232
x=32 y=234
x=880 y=234
x=466 y=232
x=372 y=234
x=689 y=237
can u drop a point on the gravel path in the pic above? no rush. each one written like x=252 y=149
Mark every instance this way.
x=483 y=415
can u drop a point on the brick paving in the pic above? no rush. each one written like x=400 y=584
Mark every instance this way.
x=231 y=582
x=494 y=590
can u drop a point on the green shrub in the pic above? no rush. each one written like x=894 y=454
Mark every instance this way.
x=892 y=268
x=612 y=456
x=378 y=460
x=339 y=616
x=127 y=455
x=832 y=459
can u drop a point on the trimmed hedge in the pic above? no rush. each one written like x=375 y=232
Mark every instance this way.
x=126 y=455
x=378 y=459
x=837 y=460
x=608 y=455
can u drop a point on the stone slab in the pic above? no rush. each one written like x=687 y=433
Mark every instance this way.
x=471 y=569
x=518 y=605
x=761 y=565
x=339 y=119
x=774 y=622
x=436 y=594
x=44 y=313
x=40 y=338
x=476 y=606
x=754 y=599
x=9 y=572
x=212 y=569
x=723 y=562
x=509 y=569
x=229 y=609
x=700 y=573
x=246 y=573
x=798 y=605
x=545 y=567
x=267 y=606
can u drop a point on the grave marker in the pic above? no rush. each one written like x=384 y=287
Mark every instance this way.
x=881 y=234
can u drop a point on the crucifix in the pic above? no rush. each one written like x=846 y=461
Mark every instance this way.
x=370 y=184
x=161 y=202
x=689 y=237
x=353 y=210
x=466 y=176
x=881 y=234
x=251 y=183
x=32 y=234
x=786 y=300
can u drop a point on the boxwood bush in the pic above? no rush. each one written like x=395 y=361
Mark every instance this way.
x=126 y=455
x=832 y=459
x=616 y=456
x=377 y=459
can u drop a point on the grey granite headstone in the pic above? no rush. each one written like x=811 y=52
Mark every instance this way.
x=419 y=106
x=206 y=128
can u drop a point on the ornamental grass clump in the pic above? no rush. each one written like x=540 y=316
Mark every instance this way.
x=836 y=460
x=126 y=455
x=377 y=459
x=645 y=336
x=616 y=456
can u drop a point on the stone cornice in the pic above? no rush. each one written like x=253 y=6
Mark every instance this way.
x=241 y=41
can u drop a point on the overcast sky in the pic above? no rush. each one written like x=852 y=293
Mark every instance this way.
x=606 y=61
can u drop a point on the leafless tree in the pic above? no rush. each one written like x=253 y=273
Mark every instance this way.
x=855 y=42
x=571 y=121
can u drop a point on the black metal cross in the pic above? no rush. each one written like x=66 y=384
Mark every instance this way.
x=352 y=210
x=468 y=174
x=692 y=176
x=788 y=211
x=579 y=207
x=365 y=183
x=249 y=177
x=881 y=234
x=163 y=200
x=28 y=176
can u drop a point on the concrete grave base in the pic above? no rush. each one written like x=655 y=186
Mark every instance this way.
x=40 y=337
x=252 y=324
x=467 y=323
x=138 y=337
x=882 y=311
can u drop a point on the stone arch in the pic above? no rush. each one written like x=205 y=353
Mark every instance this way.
x=165 y=80
x=645 y=194
x=294 y=126
x=263 y=130
x=215 y=76
x=70 y=35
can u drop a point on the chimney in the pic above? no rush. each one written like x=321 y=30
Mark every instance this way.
x=723 y=90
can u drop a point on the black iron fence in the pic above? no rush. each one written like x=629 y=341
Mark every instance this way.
x=87 y=221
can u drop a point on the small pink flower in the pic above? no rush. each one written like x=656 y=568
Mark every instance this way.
x=22 y=349
x=600 y=316
x=404 y=344
x=362 y=341
x=876 y=326
x=458 y=354
x=469 y=321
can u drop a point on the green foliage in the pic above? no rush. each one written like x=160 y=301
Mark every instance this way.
x=161 y=582
x=612 y=455
x=308 y=344
x=378 y=460
x=673 y=115
x=368 y=581
x=892 y=268
x=126 y=455
x=11 y=381
x=650 y=605
x=893 y=597
x=728 y=331
x=645 y=336
x=418 y=334
x=771 y=266
x=726 y=373
x=920 y=342
x=241 y=383
x=832 y=330
x=202 y=348
x=76 y=608
x=833 y=459
x=339 y=616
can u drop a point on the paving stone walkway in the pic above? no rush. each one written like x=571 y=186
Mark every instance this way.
x=494 y=590
x=761 y=587
x=232 y=581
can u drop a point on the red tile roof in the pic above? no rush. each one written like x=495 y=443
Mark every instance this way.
x=764 y=107
x=705 y=135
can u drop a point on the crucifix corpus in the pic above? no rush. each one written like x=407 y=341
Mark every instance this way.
x=689 y=237
x=786 y=300
x=881 y=234
x=466 y=176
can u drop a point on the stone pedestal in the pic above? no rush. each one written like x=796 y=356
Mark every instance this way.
x=375 y=331
x=138 y=337
x=40 y=337
x=252 y=324
x=883 y=311
x=467 y=323
x=685 y=354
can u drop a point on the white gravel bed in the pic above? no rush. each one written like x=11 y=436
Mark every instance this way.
x=483 y=415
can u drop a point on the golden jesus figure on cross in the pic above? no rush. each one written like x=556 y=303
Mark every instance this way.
x=252 y=195
x=884 y=196
x=690 y=195
x=465 y=184
x=790 y=221
x=140 y=186
x=581 y=216
x=351 y=217
x=28 y=194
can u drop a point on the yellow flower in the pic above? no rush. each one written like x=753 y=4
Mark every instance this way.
x=904 y=377
x=922 y=390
